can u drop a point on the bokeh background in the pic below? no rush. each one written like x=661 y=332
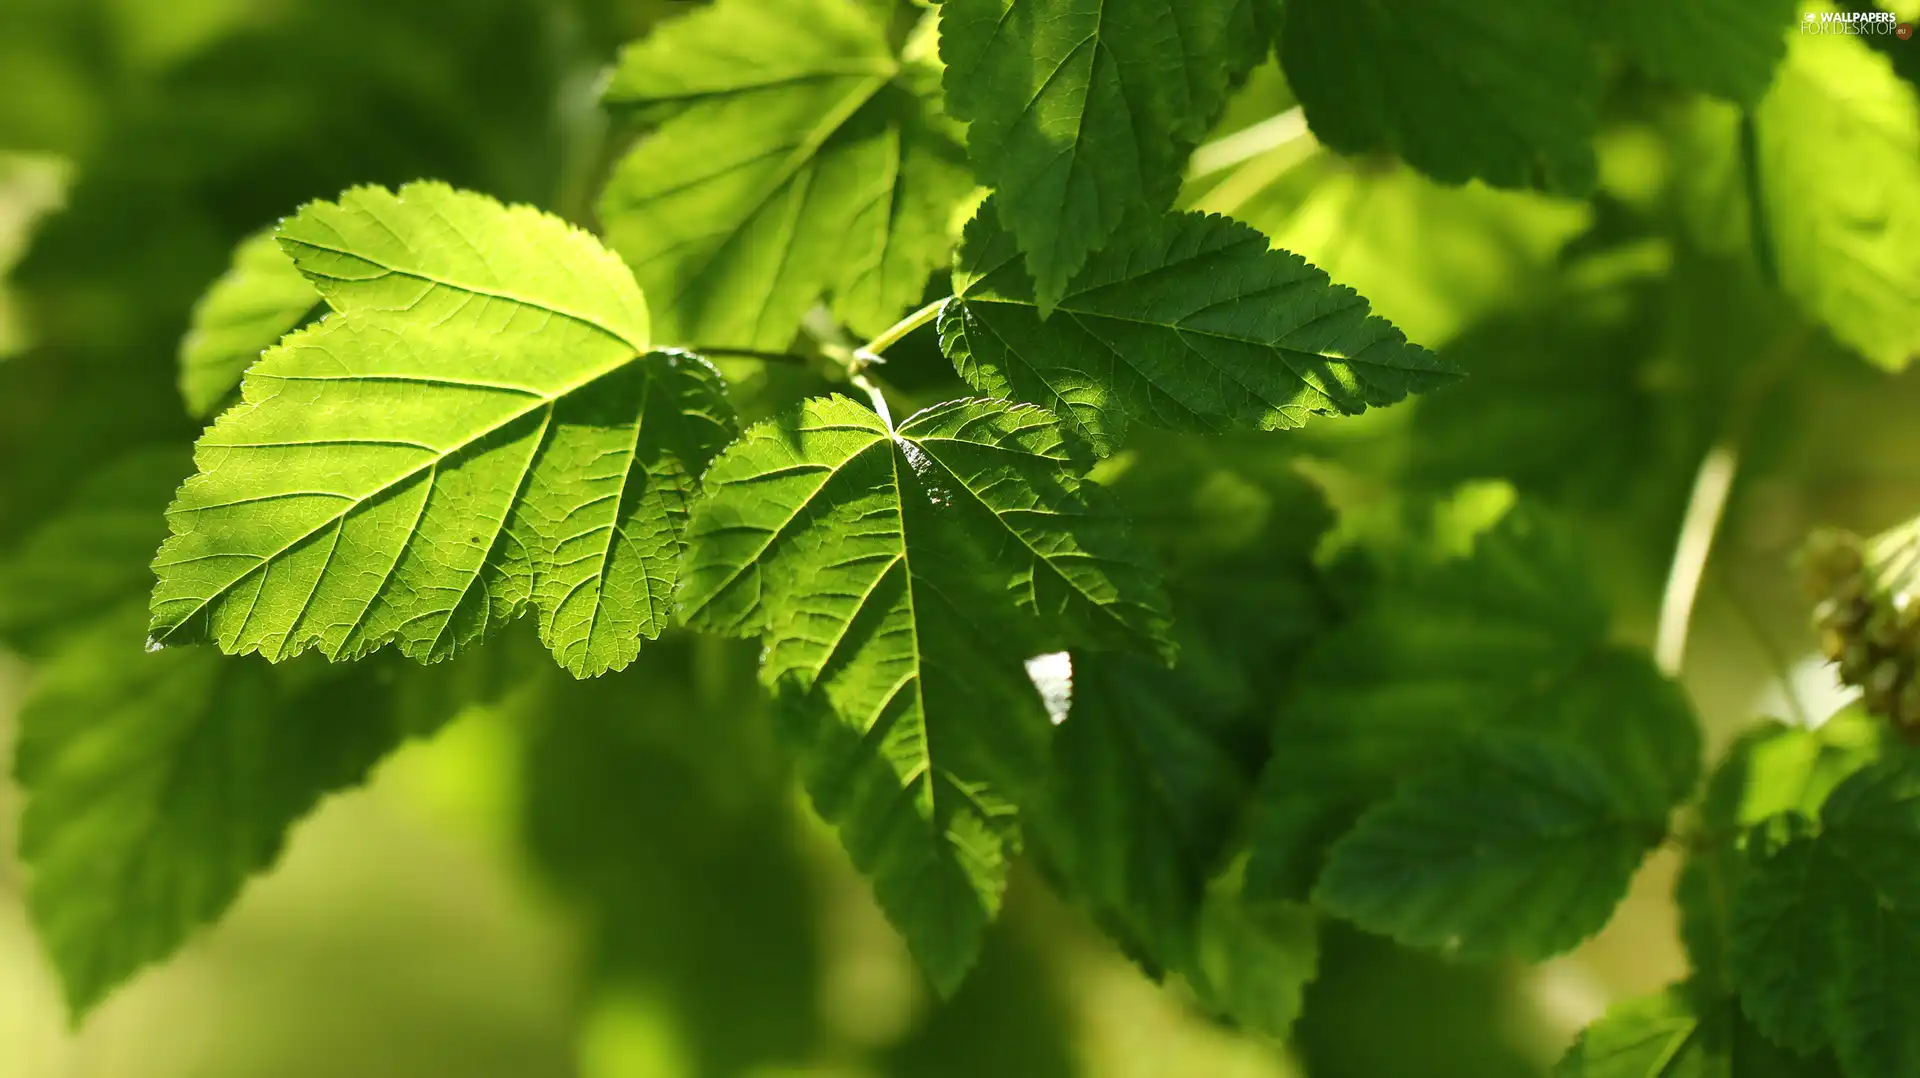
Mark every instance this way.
x=618 y=883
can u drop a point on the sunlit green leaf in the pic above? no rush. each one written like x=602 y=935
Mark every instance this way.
x=1838 y=159
x=481 y=427
x=799 y=157
x=900 y=580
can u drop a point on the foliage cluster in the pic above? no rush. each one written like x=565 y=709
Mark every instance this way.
x=910 y=359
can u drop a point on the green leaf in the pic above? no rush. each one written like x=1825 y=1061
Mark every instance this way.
x=1461 y=90
x=1144 y=793
x=261 y=296
x=1479 y=250
x=1082 y=112
x=1847 y=250
x=1771 y=769
x=1523 y=848
x=1193 y=325
x=1827 y=928
x=1682 y=1033
x=1728 y=48
x=1255 y=959
x=480 y=427
x=798 y=156
x=93 y=556
x=158 y=783
x=1511 y=639
x=1837 y=141
x=900 y=580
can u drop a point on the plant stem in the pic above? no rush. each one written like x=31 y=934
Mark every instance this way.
x=893 y=334
x=1248 y=143
x=1759 y=226
x=1704 y=509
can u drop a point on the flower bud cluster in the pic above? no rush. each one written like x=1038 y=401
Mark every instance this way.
x=1869 y=617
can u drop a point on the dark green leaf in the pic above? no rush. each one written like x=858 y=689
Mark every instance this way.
x=1193 y=325
x=1460 y=89
x=1082 y=112
x=1724 y=47
x=1511 y=638
x=1771 y=769
x=1826 y=930
x=1523 y=847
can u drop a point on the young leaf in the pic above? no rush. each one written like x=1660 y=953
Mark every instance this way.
x=1728 y=48
x=261 y=297
x=1461 y=90
x=1511 y=639
x=1083 y=111
x=158 y=783
x=900 y=579
x=1523 y=848
x=1193 y=325
x=1684 y=1032
x=1826 y=931
x=798 y=157
x=480 y=427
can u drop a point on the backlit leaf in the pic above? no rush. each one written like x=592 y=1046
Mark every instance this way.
x=480 y=427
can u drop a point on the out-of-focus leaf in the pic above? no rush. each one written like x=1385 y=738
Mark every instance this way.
x=1459 y=89
x=260 y=298
x=1512 y=638
x=1838 y=159
x=93 y=557
x=1683 y=1032
x=1522 y=847
x=1771 y=769
x=158 y=783
x=1728 y=48
x=1255 y=959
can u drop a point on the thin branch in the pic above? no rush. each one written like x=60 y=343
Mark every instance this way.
x=896 y=332
x=1704 y=509
x=1248 y=143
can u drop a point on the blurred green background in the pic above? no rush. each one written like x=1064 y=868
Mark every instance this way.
x=617 y=880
